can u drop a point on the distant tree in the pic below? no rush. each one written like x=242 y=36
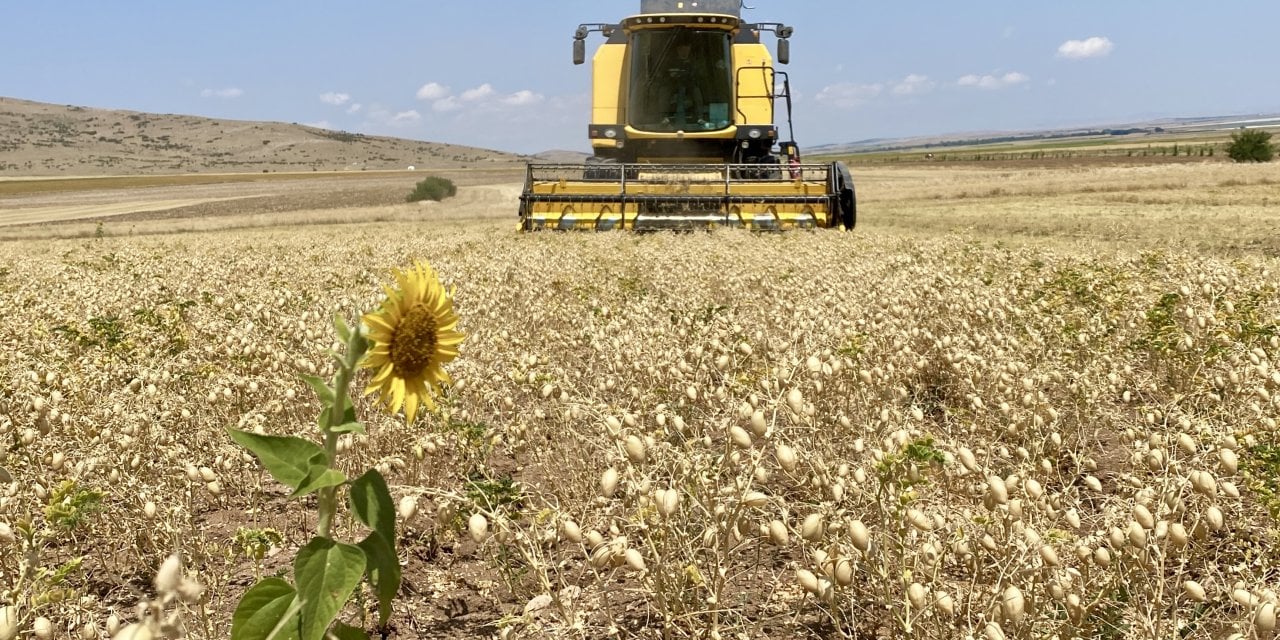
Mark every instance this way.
x=433 y=188
x=1251 y=145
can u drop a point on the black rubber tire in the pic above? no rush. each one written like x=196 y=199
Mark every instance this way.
x=599 y=168
x=848 y=196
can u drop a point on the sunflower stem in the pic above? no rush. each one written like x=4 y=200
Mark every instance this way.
x=327 y=498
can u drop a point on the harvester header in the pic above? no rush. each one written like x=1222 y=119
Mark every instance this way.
x=684 y=132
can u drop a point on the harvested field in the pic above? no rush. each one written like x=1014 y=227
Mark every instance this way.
x=1019 y=403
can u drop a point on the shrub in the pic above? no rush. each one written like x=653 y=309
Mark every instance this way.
x=1251 y=145
x=433 y=188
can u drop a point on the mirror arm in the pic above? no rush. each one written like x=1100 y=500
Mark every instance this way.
x=784 y=34
x=580 y=38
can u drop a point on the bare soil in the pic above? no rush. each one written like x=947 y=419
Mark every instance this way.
x=285 y=194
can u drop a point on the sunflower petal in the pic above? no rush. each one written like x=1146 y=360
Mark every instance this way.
x=410 y=408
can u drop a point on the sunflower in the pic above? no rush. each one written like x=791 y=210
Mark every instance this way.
x=412 y=336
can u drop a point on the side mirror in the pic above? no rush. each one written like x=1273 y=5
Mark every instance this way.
x=784 y=51
x=579 y=51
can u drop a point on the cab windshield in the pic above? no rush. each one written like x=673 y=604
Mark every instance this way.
x=681 y=80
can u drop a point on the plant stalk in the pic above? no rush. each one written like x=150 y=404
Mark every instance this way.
x=327 y=498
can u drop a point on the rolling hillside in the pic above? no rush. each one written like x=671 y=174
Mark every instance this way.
x=38 y=139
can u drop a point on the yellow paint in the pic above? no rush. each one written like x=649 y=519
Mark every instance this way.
x=608 y=72
x=754 y=84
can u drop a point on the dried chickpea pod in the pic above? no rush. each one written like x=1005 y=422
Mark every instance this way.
x=786 y=457
x=609 y=482
x=635 y=449
x=778 y=534
x=1265 y=619
x=860 y=536
x=812 y=528
x=478 y=527
x=1013 y=604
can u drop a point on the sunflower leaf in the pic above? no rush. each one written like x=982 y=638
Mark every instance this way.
x=340 y=325
x=350 y=427
x=338 y=359
x=371 y=501
x=323 y=391
x=358 y=345
x=342 y=631
x=319 y=476
x=327 y=572
x=383 y=570
x=268 y=610
x=287 y=458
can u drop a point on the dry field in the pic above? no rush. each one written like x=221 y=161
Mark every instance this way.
x=1012 y=404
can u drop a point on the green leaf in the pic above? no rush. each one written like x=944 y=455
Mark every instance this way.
x=342 y=631
x=358 y=345
x=323 y=390
x=268 y=610
x=383 y=570
x=319 y=476
x=340 y=325
x=350 y=427
x=371 y=501
x=287 y=458
x=326 y=572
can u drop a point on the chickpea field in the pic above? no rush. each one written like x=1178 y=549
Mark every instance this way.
x=1023 y=404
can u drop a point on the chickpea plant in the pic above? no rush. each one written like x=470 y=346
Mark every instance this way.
x=408 y=340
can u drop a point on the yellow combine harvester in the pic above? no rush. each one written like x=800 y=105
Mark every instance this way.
x=682 y=126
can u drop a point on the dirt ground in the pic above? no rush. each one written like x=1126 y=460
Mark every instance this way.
x=195 y=207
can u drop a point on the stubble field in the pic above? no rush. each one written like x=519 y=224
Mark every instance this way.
x=1014 y=403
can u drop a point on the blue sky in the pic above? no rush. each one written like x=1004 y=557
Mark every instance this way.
x=498 y=73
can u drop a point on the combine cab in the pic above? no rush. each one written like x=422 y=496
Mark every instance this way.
x=683 y=132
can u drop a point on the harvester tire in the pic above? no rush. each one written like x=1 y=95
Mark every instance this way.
x=602 y=169
x=848 y=197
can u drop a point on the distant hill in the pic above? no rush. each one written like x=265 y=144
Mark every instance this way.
x=560 y=156
x=38 y=139
x=1147 y=128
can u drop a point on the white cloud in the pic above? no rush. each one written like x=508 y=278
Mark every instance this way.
x=432 y=91
x=406 y=118
x=228 y=94
x=479 y=93
x=323 y=124
x=355 y=108
x=913 y=85
x=994 y=82
x=444 y=105
x=522 y=98
x=335 y=99
x=481 y=98
x=847 y=95
x=1095 y=47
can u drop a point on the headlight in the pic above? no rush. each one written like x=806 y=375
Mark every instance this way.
x=610 y=133
x=754 y=134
